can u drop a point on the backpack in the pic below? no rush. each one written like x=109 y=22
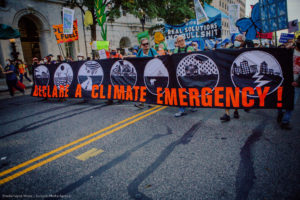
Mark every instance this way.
x=140 y=52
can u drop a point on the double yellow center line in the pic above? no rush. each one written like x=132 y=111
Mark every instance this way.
x=110 y=129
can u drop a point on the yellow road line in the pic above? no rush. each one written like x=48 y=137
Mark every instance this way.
x=20 y=173
x=72 y=143
x=89 y=154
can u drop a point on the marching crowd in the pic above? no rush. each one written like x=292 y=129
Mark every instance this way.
x=16 y=68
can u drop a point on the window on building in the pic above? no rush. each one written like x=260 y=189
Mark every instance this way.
x=70 y=49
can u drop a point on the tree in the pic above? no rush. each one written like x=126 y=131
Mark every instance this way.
x=171 y=11
x=108 y=9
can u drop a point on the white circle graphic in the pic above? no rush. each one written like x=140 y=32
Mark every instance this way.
x=41 y=75
x=256 y=69
x=197 y=71
x=63 y=75
x=124 y=73
x=90 y=73
x=156 y=75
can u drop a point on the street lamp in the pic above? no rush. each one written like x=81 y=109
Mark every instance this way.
x=143 y=19
x=14 y=52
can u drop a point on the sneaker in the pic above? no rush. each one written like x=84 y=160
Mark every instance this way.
x=140 y=105
x=279 y=118
x=225 y=118
x=236 y=114
x=285 y=126
x=179 y=114
x=247 y=110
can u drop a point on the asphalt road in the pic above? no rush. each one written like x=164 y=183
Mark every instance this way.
x=75 y=150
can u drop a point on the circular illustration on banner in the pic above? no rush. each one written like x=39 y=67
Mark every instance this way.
x=90 y=73
x=123 y=73
x=41 y=75
x=63 y=75
x=256 y=69
x=197 y=71
x=156 y=75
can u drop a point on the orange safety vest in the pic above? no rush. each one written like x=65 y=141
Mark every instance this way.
x=22 y=68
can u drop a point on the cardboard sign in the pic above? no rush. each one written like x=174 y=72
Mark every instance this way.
x=68 y=16
x=102 y=54
x=293 y=26
x=284 y=37
x=98 y=45
x=61 y=37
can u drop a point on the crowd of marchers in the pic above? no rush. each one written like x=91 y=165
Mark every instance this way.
x=17 y=70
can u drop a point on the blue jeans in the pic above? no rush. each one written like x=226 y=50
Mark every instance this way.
x=288 y=113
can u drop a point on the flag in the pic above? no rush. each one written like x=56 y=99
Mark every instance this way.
x=234 y=15
x=212 y=11
x=200 y=13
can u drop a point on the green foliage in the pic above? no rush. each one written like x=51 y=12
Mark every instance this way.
x=101 y=17
x=171 y=11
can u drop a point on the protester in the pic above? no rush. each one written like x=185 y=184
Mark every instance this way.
x=161 y=51
x=11 y=77
x=23 y=73
x=80 y=57
x=145 y=51
x=290 y=44
x=115 y=54
x=284 y=117
x=134 y=52
x=195 y=46
x=239 y=43
x=182 y=48
x=59 y=59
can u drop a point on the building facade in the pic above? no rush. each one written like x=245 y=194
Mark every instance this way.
x=223 y=6
x=34 y=20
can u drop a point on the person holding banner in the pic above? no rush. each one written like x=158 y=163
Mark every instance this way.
x=284 y=117
x=239 y=43
x=145 y=51
x=182 y=48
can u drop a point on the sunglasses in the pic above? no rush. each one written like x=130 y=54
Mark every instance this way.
x=145 y=44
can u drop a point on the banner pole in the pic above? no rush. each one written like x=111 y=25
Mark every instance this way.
x=276 y=38
x=61 y=50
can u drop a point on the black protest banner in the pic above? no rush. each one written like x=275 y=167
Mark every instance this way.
x=224 y=78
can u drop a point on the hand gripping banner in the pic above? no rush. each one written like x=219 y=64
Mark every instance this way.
x=224 y=78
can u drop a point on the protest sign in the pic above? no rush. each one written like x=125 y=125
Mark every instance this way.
x=68 y=16
x=225 y=78
x=191 y=31
x=102 y=54
x=293 y=26
x=284 y=37
x=273 y=15
x=61 y=37
x=234 y=15
x=98 y=45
